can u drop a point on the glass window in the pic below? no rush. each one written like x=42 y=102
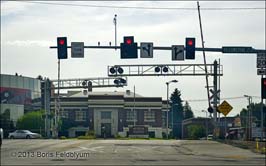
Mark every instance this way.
x=149 y=116
x=80 y=115
x=131 y=115
x=105 y=115
x=64 y=114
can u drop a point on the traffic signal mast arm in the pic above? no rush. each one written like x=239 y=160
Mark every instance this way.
x=224 y=49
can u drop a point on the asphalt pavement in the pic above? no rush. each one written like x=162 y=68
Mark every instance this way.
x=125 y=152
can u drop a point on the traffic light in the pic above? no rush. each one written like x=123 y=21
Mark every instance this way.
x=129 y=49
x=263 y=88
x=62 y=48
x=190 y=48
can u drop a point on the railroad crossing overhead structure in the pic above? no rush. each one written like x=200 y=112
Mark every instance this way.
x=99 y=82
x=165 y=70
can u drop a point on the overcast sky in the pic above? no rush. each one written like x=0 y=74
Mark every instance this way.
x=28 y=29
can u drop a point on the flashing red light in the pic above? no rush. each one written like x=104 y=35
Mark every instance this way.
x=128 y=41
x=190 y=42
x=61 y=42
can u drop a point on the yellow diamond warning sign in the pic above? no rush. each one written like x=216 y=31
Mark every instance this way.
x=225 y=108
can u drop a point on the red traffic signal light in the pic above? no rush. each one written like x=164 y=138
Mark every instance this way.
x=62 y=48
x=190 y=48
x=263 y=88
x=129 y=49
x=128 y=41
x=190 y=42
x=61 y=42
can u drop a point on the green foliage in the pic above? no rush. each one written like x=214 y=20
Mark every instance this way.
x=187 y=111
x=86 y=137
x=5 y=123
x=196 y=131
x=90 y=133
x=32 y=121
x=256 y=112
x=63 y=137
x=177 y=108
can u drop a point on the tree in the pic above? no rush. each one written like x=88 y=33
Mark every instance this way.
x=256 y=113
x=32 y=121
x=196 y=131
x=6 y=123
x=177 y=108
x=188 y=113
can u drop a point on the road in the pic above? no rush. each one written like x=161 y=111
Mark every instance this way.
x=125 y=152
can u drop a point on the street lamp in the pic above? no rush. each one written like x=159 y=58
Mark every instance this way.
x=206 y=123
x=249 y=115
x=167 y=84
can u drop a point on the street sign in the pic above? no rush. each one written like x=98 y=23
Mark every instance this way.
x=261 y=71
x=235 y=49
x=261 y=60
x=146 y=50
x=178 y=52
x=225 y=108
x=77 y=49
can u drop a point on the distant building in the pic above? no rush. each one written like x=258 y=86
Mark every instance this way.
x=196 y=121
x=19 y=94
x=224 y=124
x=110 y=113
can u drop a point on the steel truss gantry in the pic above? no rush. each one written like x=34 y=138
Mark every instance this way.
x=100 y=82
x=163 y=70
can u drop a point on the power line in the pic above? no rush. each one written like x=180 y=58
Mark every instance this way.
x=149 y=8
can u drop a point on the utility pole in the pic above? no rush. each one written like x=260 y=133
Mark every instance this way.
x=215 y=97
x=134 y=111
x=262 y=116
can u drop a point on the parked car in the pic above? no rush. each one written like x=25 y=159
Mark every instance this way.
x=23 y=134
x=1 y=136
x=210 y=137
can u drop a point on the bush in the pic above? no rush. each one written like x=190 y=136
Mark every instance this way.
x=86 y=137
x=118 y=136
x=90 y=133
x=63 y=137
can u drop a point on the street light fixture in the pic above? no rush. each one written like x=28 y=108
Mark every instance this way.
x=167 y=84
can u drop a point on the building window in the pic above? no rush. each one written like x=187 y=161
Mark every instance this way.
x=149 y=116
x=80 y=115
x=131 y=115
x=64 y=114
x=106 y=115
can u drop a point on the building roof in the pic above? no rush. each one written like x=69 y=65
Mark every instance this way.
x=115 y=93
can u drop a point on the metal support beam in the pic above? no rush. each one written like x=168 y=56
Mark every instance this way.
x=78 y=83
x=224 y=49
x=172 y=70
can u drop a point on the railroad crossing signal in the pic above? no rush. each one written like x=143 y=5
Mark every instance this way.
x=146 y=50
x=178 y=52
x=215 y=94
x=61 y=47
x=225 y=108
x=129 y=49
